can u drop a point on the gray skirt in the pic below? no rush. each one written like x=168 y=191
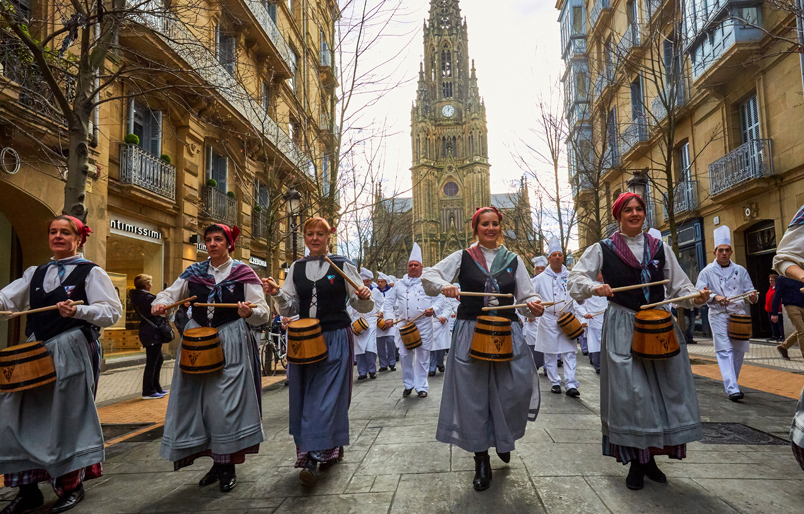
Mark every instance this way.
x=55 y=426
x=217 y=411
x=487 y=404
x=644 y=403
x=797 y=430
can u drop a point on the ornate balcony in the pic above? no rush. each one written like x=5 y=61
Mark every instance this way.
x=634 y=133
x=685 y=198
x=218 y=205
x=748 y=161
x=267 y=23
x=143 y=169
x=631 y=40
x=325 y=67
x=657 y=106
x=600 y=8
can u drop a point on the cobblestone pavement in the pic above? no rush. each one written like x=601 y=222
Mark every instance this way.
x=394 y=465
x=126 y=383
x=761 y=354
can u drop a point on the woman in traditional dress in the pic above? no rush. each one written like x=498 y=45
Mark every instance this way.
x=789 y=262
x=53 y=432
x=320 y=393
x=647 y=407
x=217 y=415
x=486 y=404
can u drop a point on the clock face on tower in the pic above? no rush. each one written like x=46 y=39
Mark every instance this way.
x=448 y=111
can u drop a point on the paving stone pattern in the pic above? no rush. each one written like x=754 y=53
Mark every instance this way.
x=394 y=465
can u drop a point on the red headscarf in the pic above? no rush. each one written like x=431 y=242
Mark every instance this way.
x=83 y=230
x=623 y=199
x=481 y=210
x=231 y=235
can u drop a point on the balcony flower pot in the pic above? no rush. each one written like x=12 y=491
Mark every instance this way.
x=132 y=139
x=232 y=194
x=257 y=208
x=166 y=158
x=211 y=182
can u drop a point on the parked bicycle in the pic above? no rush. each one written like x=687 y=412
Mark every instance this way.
x=273 y=354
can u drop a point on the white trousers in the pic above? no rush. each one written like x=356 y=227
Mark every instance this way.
x=551 y=366
x=730 y=360
x=415 y=366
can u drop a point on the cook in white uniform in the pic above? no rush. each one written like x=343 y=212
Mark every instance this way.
x=594 y=310
x=441 y=333
x=531 y=325
x=366 y=342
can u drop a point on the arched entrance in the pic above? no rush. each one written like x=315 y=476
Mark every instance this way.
x=760 y=247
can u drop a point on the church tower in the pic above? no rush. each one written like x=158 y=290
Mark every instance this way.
x=450 y=171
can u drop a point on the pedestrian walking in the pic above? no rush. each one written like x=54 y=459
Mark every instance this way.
x=366 y=341
x=775 y=317
x=486 y=403
x=647 y=407
x=726 y=280
x=320 y=392
x=53 y=433
x=153 y=332
x=217 y=415
x=788 y=293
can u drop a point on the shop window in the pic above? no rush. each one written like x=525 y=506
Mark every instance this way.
x=217 y=168
x=147 y=125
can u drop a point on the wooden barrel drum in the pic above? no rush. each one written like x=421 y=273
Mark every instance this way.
x=739 y=327
x=492 y=339
x=26 y=366
x=570 y=325
x=306 y=344
x=410 y=336
x=383 y=324
x=359 y=326
x=201 y=351
x=654 y=335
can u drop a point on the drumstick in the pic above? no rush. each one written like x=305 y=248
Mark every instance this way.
x=519 y=305
x=417 y=317
x=176 y=304
x=221 y=305
x=741 y=296
x=43 y=309
x=341 y=273
x=567 y=305
x=672 y=300
x=471 y=293
x=601 y=312
x=639 y=286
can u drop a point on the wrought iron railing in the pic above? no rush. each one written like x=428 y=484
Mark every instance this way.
x=634 y=133
x=603 y=80
x=218 y=205
x=267 y=23
x=611 y=158
x=748 y=161
x=658 y=107
x=146 y=170
x=597 y=10
x=631 y=39
x=685 y=198
x=581 y=183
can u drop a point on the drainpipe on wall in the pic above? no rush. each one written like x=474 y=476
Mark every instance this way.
x=800 y=35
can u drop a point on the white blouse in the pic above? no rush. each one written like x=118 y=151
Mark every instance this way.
x=104 y=307
x=790 y=250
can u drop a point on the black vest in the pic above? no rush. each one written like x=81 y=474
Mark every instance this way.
x=221 y=316
x=49 y=324
x=471 y=278
x=331 y=295
x=617 y=273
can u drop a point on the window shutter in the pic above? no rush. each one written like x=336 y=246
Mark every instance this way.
x=130 y=121
x=209 y=162
x=156 y=133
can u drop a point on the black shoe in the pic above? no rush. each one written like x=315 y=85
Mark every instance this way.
x=692 y=342
x=431 y=374
x=228 y=481
x=597 y=371
x=555 y=389
x=560 y=364
x=372 y=375
x=422 y=394
x=441 y=369
x=736 y=397
x=573 y=393
x=392 y=368
x=308 y=474
x=636 y=476
x=653 y=472
x=382 y=368
x=505 y=457
x=482 y=479
x=69 y=501
x=407 y=392
x=362 y=377
x=212 y=476
x=26 y=500
x=585 y=353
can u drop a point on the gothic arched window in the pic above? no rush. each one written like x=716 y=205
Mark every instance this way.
x=443 y=147
x=454 y=147
x=446 y=89
x=451 y=189
x=458 y=62
x=446 y=62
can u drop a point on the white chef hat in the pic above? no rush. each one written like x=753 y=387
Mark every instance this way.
x=554 y=246
x=541 y=260
x=416 y=254
x=391 y=279
x=383 y=276
x=722 y=236
x=654 y=232
x=366 y=274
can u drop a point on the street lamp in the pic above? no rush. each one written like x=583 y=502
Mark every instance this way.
x=293 y=199
x=638 y=184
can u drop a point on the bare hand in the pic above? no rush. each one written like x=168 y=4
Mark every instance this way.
x=584 y=325
x=159 y=309
x=244 y=309
x=66 y=310
x=603 y=290
x=364 y=293
x=536 y=308
x=722 y=300
x=269 y=287
x=452 y=315
x=705 y=294
x=389 y=323
x=588 y=316
x=753 y=297
x=450 y=292
x=429 y=312
x=775 y=319
x=442 y=319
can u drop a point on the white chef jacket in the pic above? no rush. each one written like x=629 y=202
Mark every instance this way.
x=441 y=335
x=530 y=326
x=552 y=287
x=367 y=341
x=730 y=281
x=409 y=299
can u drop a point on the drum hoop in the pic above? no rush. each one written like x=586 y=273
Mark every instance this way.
x=506 y=323
x=653 y=330
x=409 y=330
x=16 y=351
x=746 y=321
x=35 y=381
x=653 y=321
x=308 y=337
x=36 y=357
x=309 y=360
x=305 y=329
x=419 y=341
x=492 y=332
x=198 y=339
x=655 y=357
x=209 y=367
x=492 y=356
x=192 y=348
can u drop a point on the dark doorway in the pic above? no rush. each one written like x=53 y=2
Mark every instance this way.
x=760 y=247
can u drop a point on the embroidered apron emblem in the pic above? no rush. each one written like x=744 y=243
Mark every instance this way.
x=331 y=279
x=69 y=290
